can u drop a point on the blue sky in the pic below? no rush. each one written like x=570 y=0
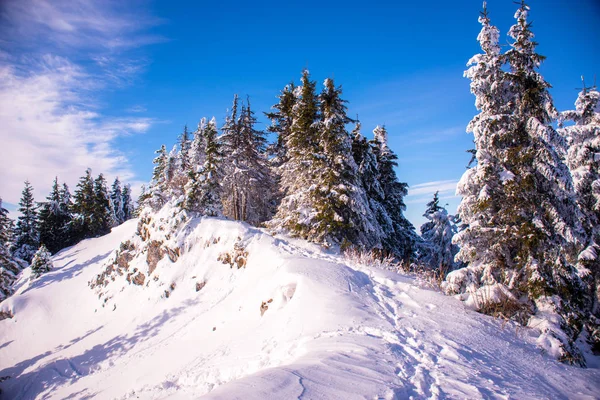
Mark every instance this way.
x=103 y=84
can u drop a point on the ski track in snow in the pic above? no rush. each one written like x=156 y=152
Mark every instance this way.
x=332 y=331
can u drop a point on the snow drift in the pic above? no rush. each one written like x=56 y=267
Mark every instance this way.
x=238 y=313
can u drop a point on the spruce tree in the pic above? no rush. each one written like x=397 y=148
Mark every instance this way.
x=116 y=202
x=281 y=118
x=342 y=208
x=41 y=263
x=523 y=232
x=9 y=268
x=584 y=164
x=26 y=232
x=102 y=219
x=66 y=206
x=83 y=208
x=157 y=194
x=53 y=220
x=402 y=240
x=297 y=210
x=127 y=202
x=437 y=250
x=203 y=190
x=185 y=144
x=247 y=181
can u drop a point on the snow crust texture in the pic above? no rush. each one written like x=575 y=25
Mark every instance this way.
x=293 y=322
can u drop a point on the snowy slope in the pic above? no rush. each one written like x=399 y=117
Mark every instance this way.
x=331 y=331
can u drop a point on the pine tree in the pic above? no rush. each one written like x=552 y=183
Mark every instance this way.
x=403 y=239
x=432 y=207
x=26 y=233
x=297 y=210
x=102 y=220
x=83 y=208
x=247 y=181
x=437 y=249
x=53 y=220
x=116 y=203
x=185 y=144
x=157 y=193
x=523 y=231
x=127 y=202
x=203 y=190
x=584 y=164
x=41 y=263
x=281 y=124
x=8 y=266
x=66 y=206
x=368 y=171
x=342 y=208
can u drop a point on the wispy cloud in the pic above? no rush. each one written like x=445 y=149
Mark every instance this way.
x=56 y=57
x=424 y=191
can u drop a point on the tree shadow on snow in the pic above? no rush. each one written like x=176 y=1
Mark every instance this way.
x=60 y=371
x=64 y=273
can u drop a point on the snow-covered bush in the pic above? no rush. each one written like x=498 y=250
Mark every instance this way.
x=41 y=263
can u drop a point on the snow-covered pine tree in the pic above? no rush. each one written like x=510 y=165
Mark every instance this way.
x=296 y=210
x=26 y=233
x=432 y=207
x=368 y=171
x=343 y=214
x=404 y=238
x=116 y=200
x=9 y=268
x=53 y=220
x=185 y=144
x=481 y=186
x=83 y=208
x=524 y=265
x=437 y=249
x=127 y=202
x=583 y=160
x=247 y=181
x=203 y=190
x=157 y=194
x=66 y=207
x=281 y=118
x=41 y=263
x=102 y=220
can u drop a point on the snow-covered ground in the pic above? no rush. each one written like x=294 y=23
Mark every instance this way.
x=331 y=331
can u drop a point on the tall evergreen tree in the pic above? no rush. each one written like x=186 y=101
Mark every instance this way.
x=53 y=220
x=8 y=267
x=203 y=190
x=403 y=239
x=437 y=249
x=116 y=202
x=584 y=164
x=297 y=210
x=185 y=144
x=66 y=207
x=528 y=254
x=26 y=232
x=247 y=181
x=281 y=118
x=127 y=202
x=102 y=219
x=342 y=208
x=83 y=208
x=157 y=192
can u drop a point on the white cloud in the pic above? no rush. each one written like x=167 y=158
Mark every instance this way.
x=427 y=189
x=51 y=124
x=45 y=133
